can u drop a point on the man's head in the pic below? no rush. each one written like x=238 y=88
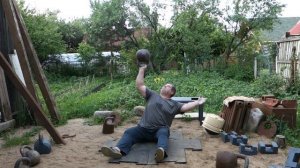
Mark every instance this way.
x=168 y=90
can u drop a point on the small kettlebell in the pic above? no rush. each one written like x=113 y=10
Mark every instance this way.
x=143 y=57
x=42 y=145
x=23 y=162
x=108 y=125
x=32 y=155
x=227 y=159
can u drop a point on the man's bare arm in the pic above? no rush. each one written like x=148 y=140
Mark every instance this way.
x=139 y=82
x=191 y=105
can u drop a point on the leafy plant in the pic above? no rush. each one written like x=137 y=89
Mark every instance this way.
x=94 y=120
x=24 y=139
x=187 y=118
x=292 y=135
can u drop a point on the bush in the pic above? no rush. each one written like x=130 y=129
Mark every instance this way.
x=271 y=84
x=238 y=72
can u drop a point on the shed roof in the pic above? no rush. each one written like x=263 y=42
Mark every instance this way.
x=279 y=29
x=295 y=30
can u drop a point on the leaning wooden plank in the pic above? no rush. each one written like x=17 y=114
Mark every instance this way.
x=18 y=44
x=4 y=99
x=36 y=66
x=29 y=99
x=6 y=125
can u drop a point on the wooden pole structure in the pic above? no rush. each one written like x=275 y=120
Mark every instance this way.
x=4 y=99
x=4 y=96
x=18 y=44
x=36 y=66
x=30 y=99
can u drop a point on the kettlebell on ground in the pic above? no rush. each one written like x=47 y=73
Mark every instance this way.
x=108 y=125
x=23 y=162
x=227 y=159
x=32 y=155
x=42 y=145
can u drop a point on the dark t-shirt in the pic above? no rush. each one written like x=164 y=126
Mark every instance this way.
x=159 y=112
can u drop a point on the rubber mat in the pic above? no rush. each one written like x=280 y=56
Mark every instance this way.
x=143 y=153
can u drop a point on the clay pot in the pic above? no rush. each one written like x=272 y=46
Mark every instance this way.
x=267 y=128
x=143 y=57
x=227 y=159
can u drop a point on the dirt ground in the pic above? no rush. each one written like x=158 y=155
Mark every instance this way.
x=81 y=151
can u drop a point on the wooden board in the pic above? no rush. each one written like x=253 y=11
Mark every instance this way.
x=6 y=125
x=30 y=100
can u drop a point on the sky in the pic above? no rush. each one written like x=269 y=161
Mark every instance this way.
x=71 y=9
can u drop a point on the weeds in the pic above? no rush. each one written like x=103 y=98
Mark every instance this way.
x=80 y=97
x=24 y=139
x=187 y=118
x=94 y=121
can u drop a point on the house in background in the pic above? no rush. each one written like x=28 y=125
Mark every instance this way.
x=279 y=29
x=287 y=60
x=275 y=37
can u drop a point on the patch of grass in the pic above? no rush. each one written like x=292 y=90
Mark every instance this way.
x=125 y=115
x=292 y=135
x=187 y=118
x=14 y=141
x=94 y=121
x=25 y=139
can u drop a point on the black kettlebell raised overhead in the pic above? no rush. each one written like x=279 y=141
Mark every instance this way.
x=143 y=57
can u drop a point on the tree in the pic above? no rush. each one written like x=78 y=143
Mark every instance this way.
x=245 y=17
x=43 y=31
x=197 y=28
x=109 y=26
x=87 y=53
x=72 y=33
x=189 y=38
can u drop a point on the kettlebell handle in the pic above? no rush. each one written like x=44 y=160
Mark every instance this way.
x=25 y=160
x=40 y=136
x=109 y=118
x=24 y=147
x=246 y=165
